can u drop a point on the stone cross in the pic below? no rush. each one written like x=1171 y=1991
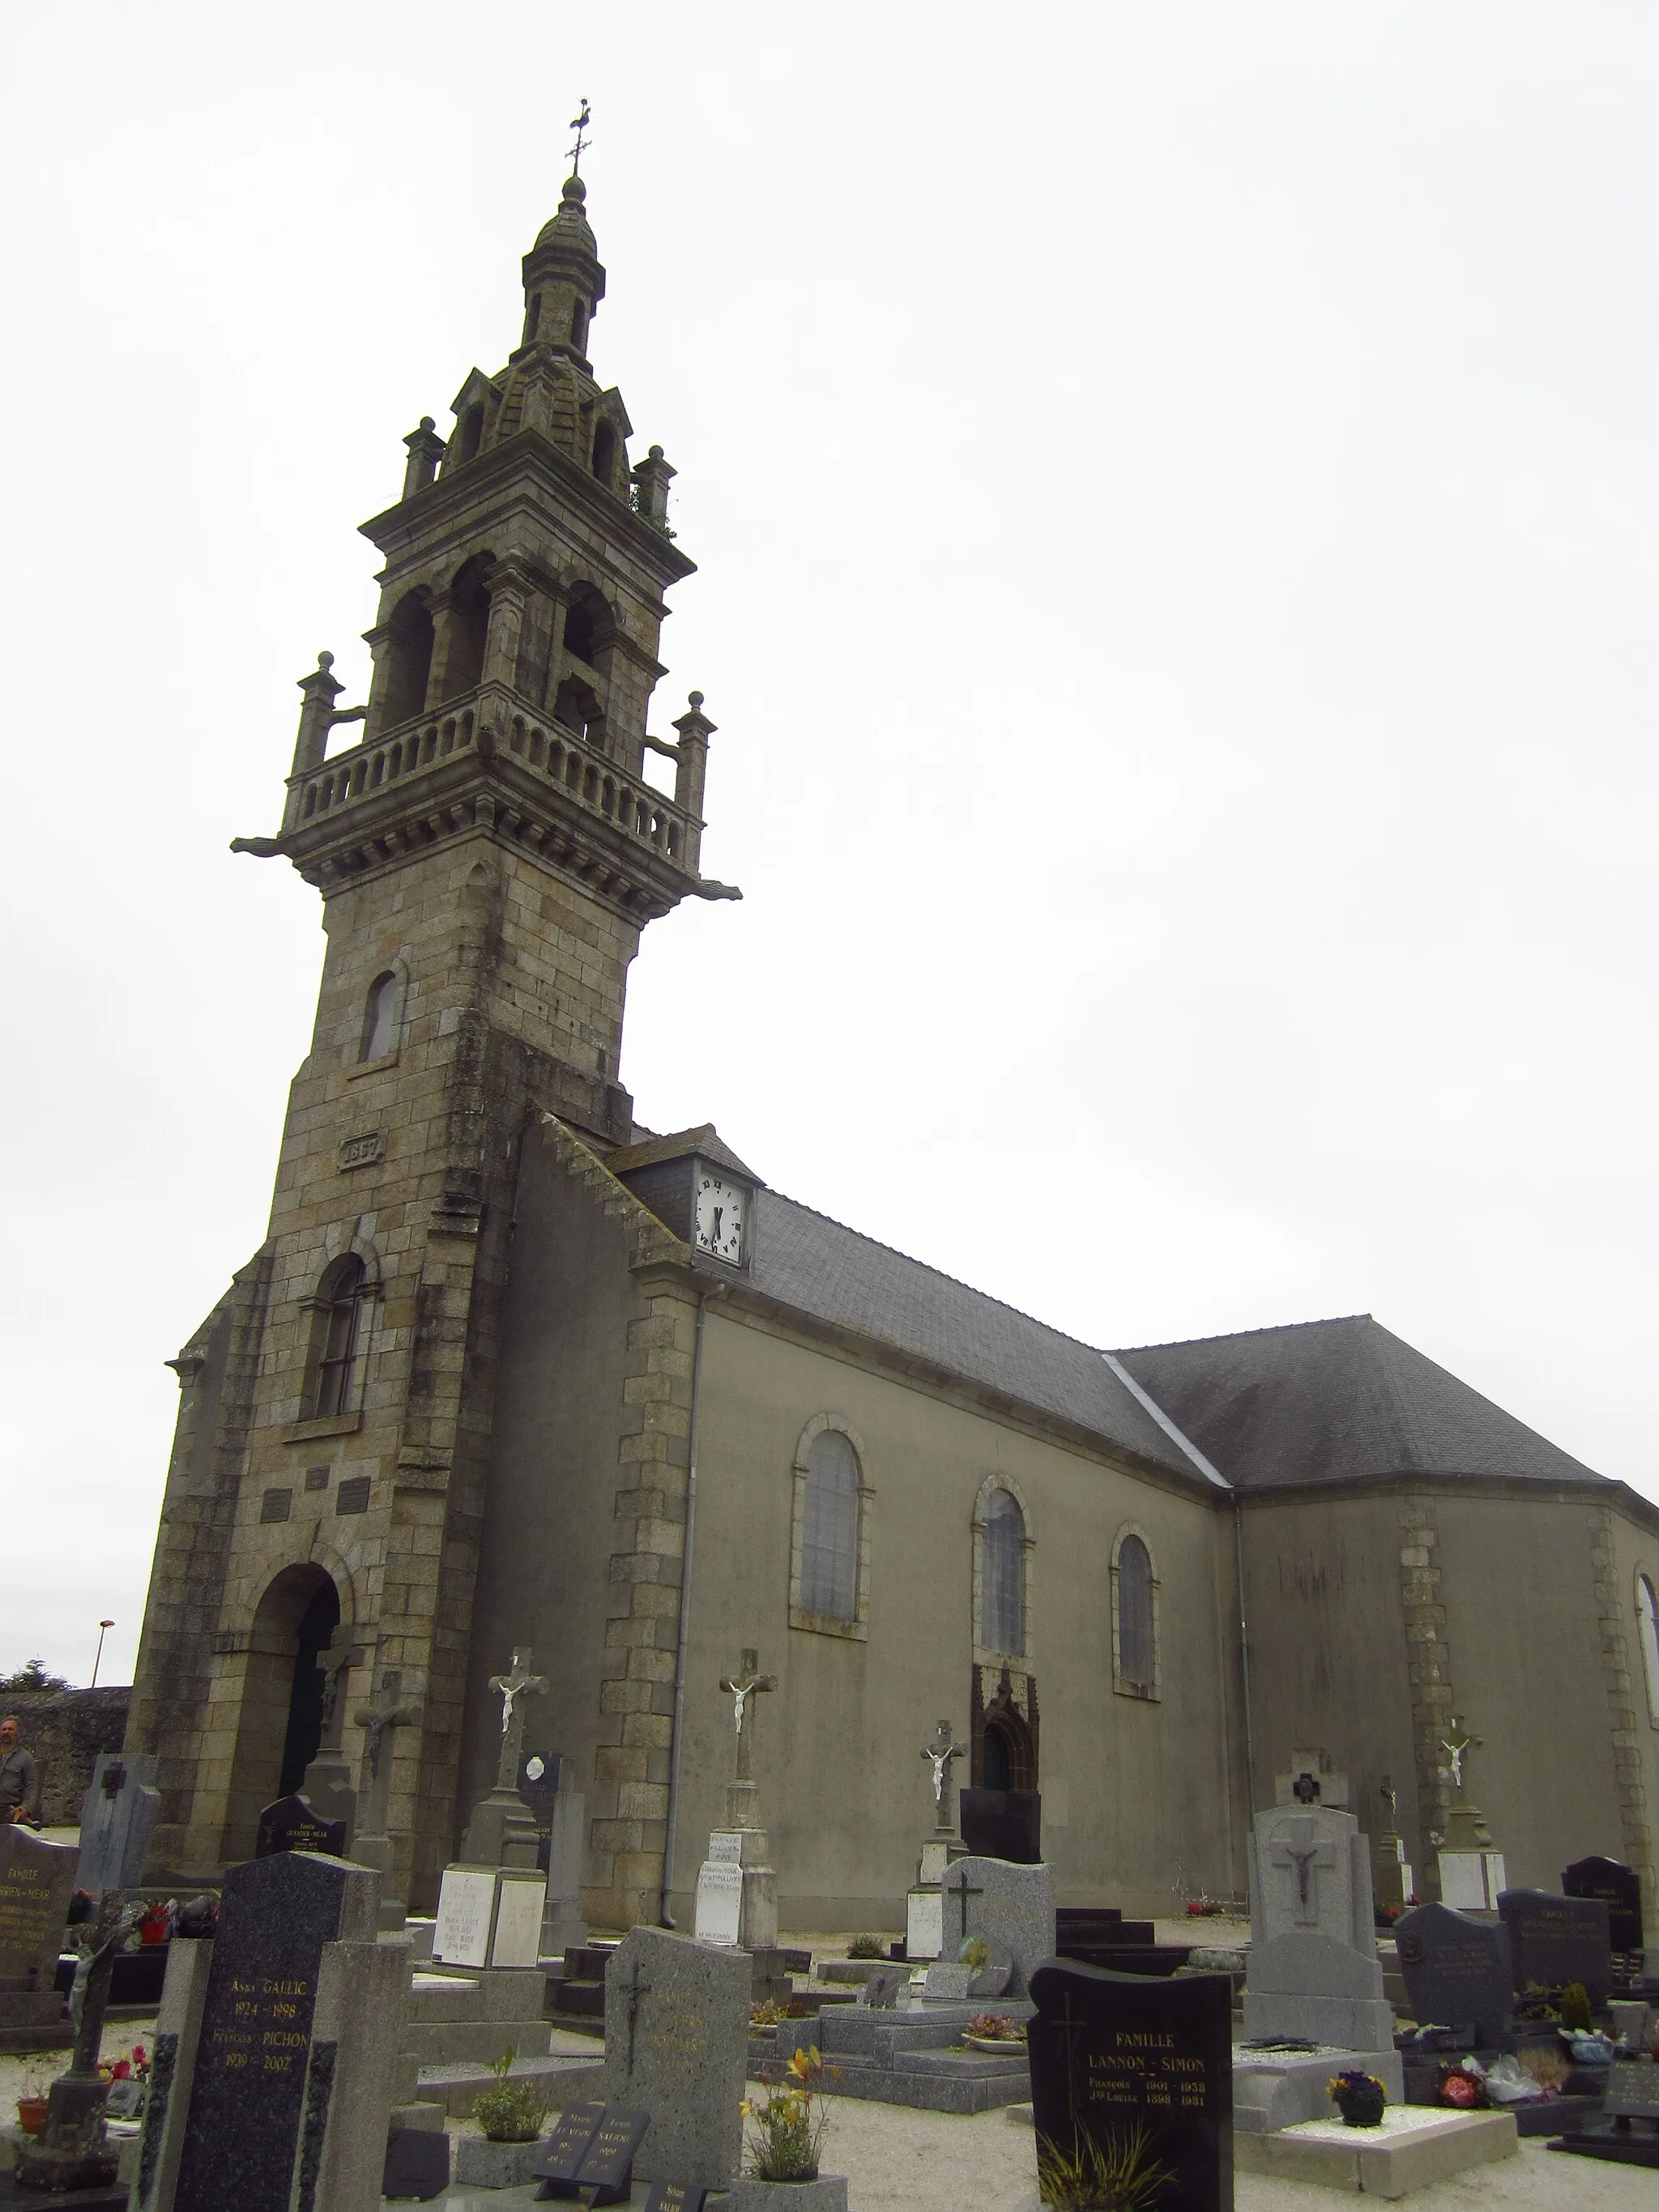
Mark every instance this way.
x=939 y=1754
x=388 y=1712
x=748 y=1682
x=518 y=1682
x=1457 y=1752
x=333 y=1664
x=1389 y=1796
x=961 y=1890
x=1313 y=1857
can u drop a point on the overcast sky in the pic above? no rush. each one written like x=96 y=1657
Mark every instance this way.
x=1174 y=490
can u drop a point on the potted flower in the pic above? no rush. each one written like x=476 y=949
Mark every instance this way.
x=511 y=2114
x=782 y=2152
x=995 y=2031
x=32 y=2102
x=1358 y=2096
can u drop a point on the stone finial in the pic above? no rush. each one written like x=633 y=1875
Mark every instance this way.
x=318 y=690
x=426 y=449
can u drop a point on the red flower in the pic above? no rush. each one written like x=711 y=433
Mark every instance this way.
x=1458 y=2089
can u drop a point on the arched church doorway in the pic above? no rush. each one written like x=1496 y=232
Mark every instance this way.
x=999 y=1764
x=281 y=1723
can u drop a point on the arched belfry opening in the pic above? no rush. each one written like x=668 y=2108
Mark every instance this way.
x=281 y=1723
x=469 y=600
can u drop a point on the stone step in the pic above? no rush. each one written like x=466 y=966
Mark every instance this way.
x=420 y=2114
x=579 y=2000
x=474 y=2041
x=941 y=2087
x=566 y=2080
x=433 y=1997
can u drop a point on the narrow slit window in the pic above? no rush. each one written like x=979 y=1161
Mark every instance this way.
x=379 y=1018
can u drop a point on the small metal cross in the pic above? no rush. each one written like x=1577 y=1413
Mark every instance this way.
x=579 y=123
x=637 y=1989
x=961 y=1889
x=747 y=1683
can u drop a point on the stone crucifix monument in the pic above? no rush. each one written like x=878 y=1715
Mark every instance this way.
x=388 y=1710
x=737 y=1886
x=1472 y=1875
x=489 y=1905
x=923 y=1910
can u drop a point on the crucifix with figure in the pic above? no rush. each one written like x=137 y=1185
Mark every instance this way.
x=518 y=1682
x=1300 y=1850
x=939 y=1755
x=748 y=1682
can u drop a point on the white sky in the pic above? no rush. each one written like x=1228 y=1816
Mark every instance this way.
x=1174 y=486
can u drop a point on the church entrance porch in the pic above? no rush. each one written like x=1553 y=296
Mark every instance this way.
x=280 y=1724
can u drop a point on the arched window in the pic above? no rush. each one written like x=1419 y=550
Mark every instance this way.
x=585 y=621
x=1134 y=1626
x=470 y=436
x=1002 y=1577
x=379 y=1018
x=578 y=322
x=829 y=1534
x=532 y=319
x=605 y=452
x=1647 y=1615
x=469 y=599
x=409 y=660
x=337 y=1374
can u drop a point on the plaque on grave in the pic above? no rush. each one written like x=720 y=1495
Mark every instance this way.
x=924 y=1925
x=1620 y=1887
x=1456 y=1972
x=248 y=2095
x=292 y=1825
x=563 y=2150
x=517 y=1940
x=719 y=1902
x=1632 y=2088
x=1117 y=2059
x=1002 y=1824
x=466 y=1900
x=673 y=2197
x=416 y=2164
x=607 y=2166
x=1557 y=1940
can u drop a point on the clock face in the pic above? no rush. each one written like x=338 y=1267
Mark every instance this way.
x=722 y=1208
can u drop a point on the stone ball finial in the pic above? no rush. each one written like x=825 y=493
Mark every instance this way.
x=656 y=453
x=325 y=661
x=426 y=423
x=695 y=699
x=575 y=190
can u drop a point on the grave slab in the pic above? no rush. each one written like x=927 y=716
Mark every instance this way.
x=1557 y=1940
x=1457 y=1971
x=1411 y=2149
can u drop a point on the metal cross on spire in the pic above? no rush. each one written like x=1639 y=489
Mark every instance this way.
x=579 y=123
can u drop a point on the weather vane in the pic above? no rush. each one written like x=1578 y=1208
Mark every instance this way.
x=579 y=123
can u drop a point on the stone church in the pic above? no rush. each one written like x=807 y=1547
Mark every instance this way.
x=510 y=1369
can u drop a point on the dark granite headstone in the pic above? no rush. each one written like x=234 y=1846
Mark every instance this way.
x=37 y=1881
x=539 y=1786
x=1113 y=2054
x=1557 y=1940
x=564 y=2149
x=1632 y=2088
x=416 y=2164
x=292 y=1825
x=1456 y=1972
x=1619 y=1887
x=1003 y=1824
x=247 y=2098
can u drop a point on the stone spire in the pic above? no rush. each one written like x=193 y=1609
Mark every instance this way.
x=563 y=279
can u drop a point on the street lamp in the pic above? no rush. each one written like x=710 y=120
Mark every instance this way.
x=98 y=1654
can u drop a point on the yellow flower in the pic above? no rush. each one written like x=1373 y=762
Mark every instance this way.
x=746 y=2109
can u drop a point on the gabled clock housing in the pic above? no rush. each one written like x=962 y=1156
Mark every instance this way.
x=697 y=1186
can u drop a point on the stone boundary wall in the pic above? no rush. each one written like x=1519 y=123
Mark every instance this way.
x=66 y=1729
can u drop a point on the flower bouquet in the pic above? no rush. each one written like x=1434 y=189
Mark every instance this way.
x=1358 y=2096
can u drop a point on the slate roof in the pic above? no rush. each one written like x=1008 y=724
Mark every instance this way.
x=805 y=1260
x=705 y=1141
x=1331 y=1400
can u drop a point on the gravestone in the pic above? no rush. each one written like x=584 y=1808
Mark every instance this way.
x=1456 y=1972
x=1011 y=1905
x=1310 y=1875
x=539 y=1786
x=718 y=1917
x=562 y=1926
x=37 y=1881
x=675 y=2045
x=117 y=1816
x=1619 y=1887
x=275 y=2047
x=292 y=1825
x=1557 y=1940
x=1114 y=2054
x=1003 y=1824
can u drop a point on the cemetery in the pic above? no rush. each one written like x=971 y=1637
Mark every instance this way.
x=315 y=2048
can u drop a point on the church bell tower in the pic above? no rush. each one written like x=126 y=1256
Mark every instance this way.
x=488 y=847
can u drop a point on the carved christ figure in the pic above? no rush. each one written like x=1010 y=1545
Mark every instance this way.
x=1455 y=1752
x=747 y=1683
x=938 y=1755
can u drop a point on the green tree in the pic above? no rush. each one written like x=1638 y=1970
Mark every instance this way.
x=32 y=1676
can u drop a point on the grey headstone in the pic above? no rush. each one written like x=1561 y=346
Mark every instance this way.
x=1312 y=1987
x=1557 y=1940
x=948 y=1981
x=1457 y=1971
x=117 y=1816
x=1012 y=1905
x=37 y=1881
x=1311 y=1875
x=676 y=2043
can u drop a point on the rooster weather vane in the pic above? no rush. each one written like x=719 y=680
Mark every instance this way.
x=579 y=123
